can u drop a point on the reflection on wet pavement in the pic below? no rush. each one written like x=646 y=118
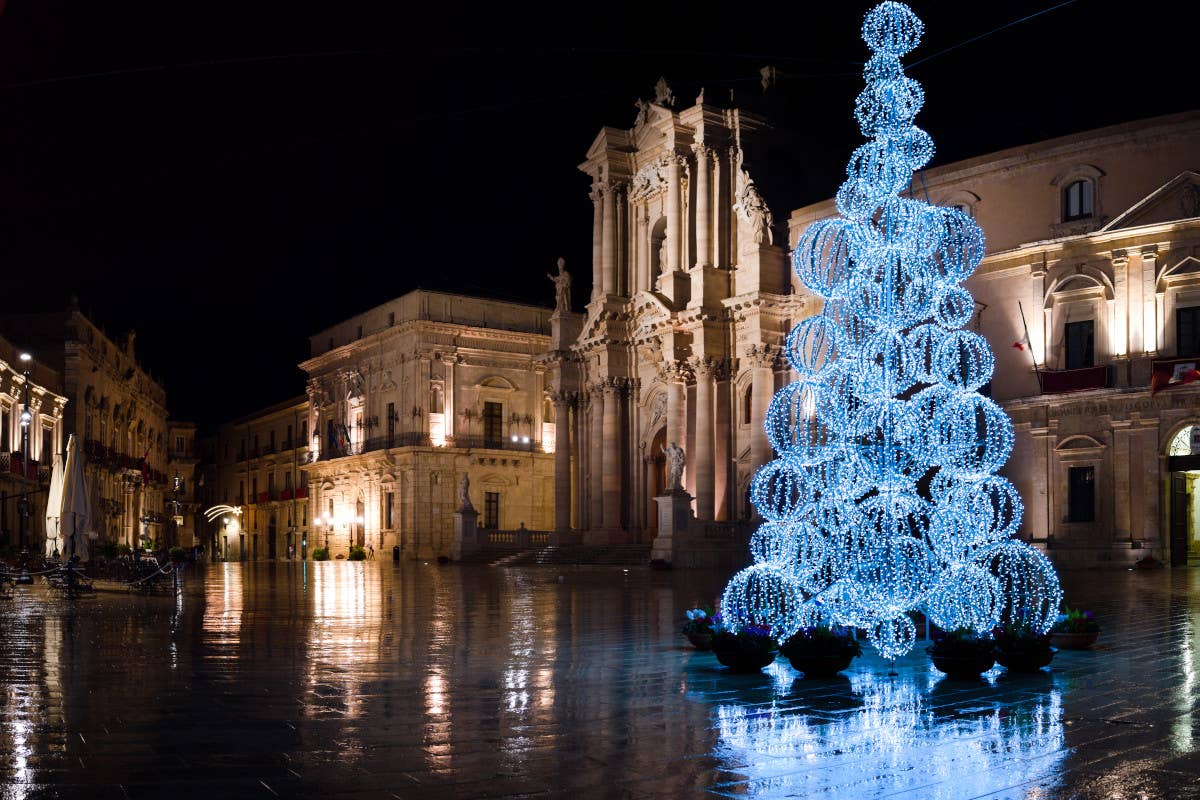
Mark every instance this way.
x=373 y=680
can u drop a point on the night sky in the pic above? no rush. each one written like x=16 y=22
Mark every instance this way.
x=229 y=181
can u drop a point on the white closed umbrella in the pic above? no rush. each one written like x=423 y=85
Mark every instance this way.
x=54 y=506
x=76 y=508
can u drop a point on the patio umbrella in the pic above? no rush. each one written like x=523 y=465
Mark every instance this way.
x=76 y=509
x=54 y=506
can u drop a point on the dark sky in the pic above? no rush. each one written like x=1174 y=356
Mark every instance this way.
x=231 y=178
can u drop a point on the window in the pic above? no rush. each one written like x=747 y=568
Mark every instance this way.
x=303 y=480
x=964 y=208
x=1077 y=200
x=47 y=451
x=747 y=405
x=435 y=399
x=391 y=420
x=271 y=483
x=388 y=520
x=179 y=445
x=304 y=430
x=330 y=342
x=391 y=318
x=491 y=510
x=241 y=492
x=254 y=487
x=359 y=332
x=287 y=480
x=304 y=515
x=6 y=432
x=1081 y=494
x=1187 y=331
x=271 y=441
x=493 y=424
x=1081 y=338
x=287 y=443
x=256 y=444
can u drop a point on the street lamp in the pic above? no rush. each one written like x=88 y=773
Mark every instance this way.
x=23 y=502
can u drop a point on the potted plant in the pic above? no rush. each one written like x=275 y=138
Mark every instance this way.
x=358 y=554
x=698 y=628
x=961 y=653
x=1020 y=648
x=177 y=554
x=320 y=554
x=821 y=651
x=1074 y=630
x=746 y=649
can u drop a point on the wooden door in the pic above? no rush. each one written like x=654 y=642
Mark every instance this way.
x=1179 y=520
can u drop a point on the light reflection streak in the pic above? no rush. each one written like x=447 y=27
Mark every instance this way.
x=888 y=735
x=343 y=640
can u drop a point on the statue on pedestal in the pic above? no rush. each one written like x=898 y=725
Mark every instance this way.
x=562 y=288
x=464 y=496
x=676 y=458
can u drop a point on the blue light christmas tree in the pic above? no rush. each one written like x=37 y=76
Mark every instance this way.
x=884 y=498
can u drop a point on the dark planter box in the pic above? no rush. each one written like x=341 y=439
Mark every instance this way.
x=1025 y=660
x=816 y=665
x=968 y=665
x=700 y=641
x=1074 y=641
x=743 y=659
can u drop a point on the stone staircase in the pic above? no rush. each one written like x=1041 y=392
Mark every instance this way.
x=615 y=555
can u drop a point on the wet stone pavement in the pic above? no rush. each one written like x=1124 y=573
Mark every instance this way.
x=369 y=680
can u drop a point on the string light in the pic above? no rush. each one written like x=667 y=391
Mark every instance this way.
x=884 y=499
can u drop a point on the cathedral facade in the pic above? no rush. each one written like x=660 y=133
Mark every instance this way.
x=691 y=300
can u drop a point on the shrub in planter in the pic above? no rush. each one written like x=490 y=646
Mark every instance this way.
x=358 y=554
x=124 y=549
x=747 y=649
x=177 y=554
x=321 y=554
x=1019 y=648
x=1075 y=630
x=698 y=628
x=962 y=653
x=821 y=651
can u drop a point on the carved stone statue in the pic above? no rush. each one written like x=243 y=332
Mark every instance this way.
x=676 y=459
x=754 y=209
x=643 y=110
x=663 y=94
x=662 y=257
x=464 y=494
x=562 y=287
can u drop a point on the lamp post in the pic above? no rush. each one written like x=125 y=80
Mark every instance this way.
x=23 y=502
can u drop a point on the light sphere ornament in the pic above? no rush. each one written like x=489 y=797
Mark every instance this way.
x=885 y=499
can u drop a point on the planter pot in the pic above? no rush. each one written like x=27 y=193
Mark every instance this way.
x=965 y=666
x=747 y=660
x=816 y=665
x=1074 y=641
x=1025 y=660
x=700 y=641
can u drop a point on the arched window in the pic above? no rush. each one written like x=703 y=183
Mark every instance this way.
x=1078 y=200
x=748 y=405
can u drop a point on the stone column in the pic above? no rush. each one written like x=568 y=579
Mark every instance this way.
x=646 y=283
x=578 y=445
x=703 y=208
x=1124 y=472
x=539 y=384
x=1150 y=310
x=706 y=370
x=610 y=443
x=597 y=239
x=448 y=405
x=675 y=377
x=608 y=270
x=1120 y=332
x=562 y=462
x=597 y=460
x=674 y=215
x=762 y=383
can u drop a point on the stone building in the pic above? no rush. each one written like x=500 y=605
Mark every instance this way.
x=181 y=498
x=407 y=398
x=260 y=470
x=25 y=476
x=117 y=411
x=1094 y=244
x=691 y=301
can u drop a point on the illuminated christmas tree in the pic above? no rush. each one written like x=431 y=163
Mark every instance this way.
x=884 y=498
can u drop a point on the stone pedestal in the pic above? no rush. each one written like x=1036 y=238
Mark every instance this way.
x=674 y=514
x=466 y=534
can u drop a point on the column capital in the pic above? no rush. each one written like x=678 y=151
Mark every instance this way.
x=1150 y=252
x=708 y=368
x=1119 y=257
x=762 y=355
x=674 y=372
x=703 y=151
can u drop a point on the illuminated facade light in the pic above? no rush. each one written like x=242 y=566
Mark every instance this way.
x=884 y=498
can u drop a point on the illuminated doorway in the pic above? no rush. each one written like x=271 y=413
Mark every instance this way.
x=1183 y=470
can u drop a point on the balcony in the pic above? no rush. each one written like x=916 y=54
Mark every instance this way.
x=14 y=464
x=286 y=494
x=1062 y=381
x=302 y=493
x=376 y=443
x=494 y=443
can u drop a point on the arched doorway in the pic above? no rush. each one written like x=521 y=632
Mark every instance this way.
x=656 y=477
x=1183 y=506
x=360 y=524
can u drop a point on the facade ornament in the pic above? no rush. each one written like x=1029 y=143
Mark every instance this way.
x=676 y=459
x=754 y=210
x=762 y=355
x=659 y=410
x=562 y=288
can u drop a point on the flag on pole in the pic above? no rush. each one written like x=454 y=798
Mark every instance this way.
x=1164 y=378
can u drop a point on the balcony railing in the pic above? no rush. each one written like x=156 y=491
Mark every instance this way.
x=302 y=493
x=376 y=443
x=493 y=443
x=14 y=464
x=1076 y=380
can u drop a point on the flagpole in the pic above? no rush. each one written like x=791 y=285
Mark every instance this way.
x=1032 y=356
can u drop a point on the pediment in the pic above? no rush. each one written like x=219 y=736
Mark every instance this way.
x=1078 y=442
x=1178 y=198
x=608 y=139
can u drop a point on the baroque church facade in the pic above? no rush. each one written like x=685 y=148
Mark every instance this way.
x=692 y=298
